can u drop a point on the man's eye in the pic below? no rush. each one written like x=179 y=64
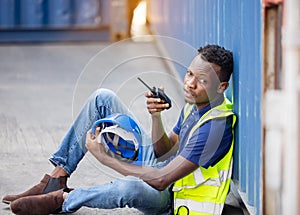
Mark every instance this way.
x=202 y=81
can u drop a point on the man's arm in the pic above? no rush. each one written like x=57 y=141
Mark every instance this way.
x=159 y=179
x=176 y=169
x=162 y=143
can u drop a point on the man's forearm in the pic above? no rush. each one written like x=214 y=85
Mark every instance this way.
x=160 y=139
x=150 y=175
x=123 y=167
x=157 y=178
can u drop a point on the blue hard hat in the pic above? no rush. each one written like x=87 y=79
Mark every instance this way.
x=120 y=135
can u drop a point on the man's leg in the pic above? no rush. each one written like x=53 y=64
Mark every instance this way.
x=129 y=191
x=72 y=149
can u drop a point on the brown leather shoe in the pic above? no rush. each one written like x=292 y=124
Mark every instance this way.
x=47 y=185
x=39 y=205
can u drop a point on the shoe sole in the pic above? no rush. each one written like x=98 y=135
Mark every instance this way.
x=6 y=202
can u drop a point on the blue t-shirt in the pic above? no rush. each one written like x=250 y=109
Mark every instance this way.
x=210 y=142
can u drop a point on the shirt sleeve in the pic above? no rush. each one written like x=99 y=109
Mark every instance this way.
x=209 y=143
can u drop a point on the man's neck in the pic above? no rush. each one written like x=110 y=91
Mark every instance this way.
x=200 y=106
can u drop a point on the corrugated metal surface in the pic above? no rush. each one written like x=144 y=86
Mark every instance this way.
x=33 y=20
x=60 y=13
x=237 y=25
x=49 y=13
x=7 y=13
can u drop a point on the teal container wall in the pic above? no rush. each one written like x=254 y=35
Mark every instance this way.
x=236 y=25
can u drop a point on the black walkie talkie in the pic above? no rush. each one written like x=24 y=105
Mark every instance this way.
x=158 y=93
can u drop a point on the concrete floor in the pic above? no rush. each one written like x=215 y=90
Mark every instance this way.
x=42 y=88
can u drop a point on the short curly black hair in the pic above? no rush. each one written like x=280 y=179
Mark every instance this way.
x=219 y=56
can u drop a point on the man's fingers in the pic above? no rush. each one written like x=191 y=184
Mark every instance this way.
x=148 y=94
x=153 y=100
x=157 y=106
x=90 y=135
x=97 y=132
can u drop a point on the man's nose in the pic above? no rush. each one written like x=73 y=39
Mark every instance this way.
x=191 y=82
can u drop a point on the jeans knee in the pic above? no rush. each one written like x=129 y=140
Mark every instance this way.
x=132 y=185
x=104 y=99
x=103 y=93
x=136 y=193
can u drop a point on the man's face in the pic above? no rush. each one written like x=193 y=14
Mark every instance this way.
x=201 y=82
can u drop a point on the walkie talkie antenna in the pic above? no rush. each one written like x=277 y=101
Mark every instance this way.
x=145 y=84
x=158 y=93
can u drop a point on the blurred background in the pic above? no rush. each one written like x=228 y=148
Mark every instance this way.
x=50 y=42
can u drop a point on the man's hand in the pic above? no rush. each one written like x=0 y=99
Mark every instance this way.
x=92 y=144
x=154 y=105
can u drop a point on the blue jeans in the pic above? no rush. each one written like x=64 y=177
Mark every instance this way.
x=129 y=190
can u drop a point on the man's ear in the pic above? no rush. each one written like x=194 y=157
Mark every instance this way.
x=222 y=87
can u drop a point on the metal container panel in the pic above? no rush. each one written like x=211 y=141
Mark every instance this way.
x=28 y=20
x=87 y=13
x=43 y=14
x=236 y=25
x=59 y=13
x=32 y=13
x=7 y=13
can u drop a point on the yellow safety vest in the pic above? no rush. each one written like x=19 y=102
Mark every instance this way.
x=204 y=191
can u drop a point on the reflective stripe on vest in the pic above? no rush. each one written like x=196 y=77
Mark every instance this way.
x=200 y=180
x=194 y=207
x=204 y=191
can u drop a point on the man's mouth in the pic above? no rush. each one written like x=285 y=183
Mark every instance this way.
x=188 y=94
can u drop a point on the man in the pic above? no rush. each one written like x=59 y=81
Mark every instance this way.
x=200 y=171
